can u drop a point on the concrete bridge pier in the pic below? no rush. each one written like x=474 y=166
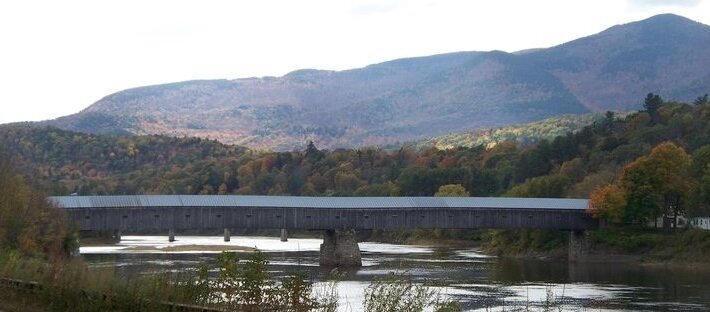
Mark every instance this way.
x=227 y=236
x=171 y=235
x=579 y=245
x=284 y=235
x=340 y=249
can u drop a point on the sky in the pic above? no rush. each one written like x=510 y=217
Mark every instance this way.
x=59 y=57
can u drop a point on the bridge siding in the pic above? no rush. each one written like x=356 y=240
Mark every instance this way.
x=138 y=219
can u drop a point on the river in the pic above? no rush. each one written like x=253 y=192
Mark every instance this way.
x=479 y=282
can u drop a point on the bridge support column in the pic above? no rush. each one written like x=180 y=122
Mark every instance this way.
x=171 y=235
x=73 y=245
x=116 y=235
x=227 y=236
x=579 y=245
x=284 y=235
x=340 y=249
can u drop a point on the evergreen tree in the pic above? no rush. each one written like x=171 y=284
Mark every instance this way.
x=652 y=103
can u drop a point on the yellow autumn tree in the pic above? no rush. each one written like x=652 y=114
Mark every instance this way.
x=452 y=190
x=657 y=184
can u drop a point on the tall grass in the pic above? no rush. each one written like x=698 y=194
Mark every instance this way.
x=245 y=286
x=398 y=293
x=71 y=286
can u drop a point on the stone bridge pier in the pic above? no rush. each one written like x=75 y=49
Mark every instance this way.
x=579 y=245
x=340 y=249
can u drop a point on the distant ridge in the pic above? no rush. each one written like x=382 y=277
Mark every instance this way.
x=414 y=98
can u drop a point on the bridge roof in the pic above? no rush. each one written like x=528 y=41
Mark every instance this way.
x=70 y=202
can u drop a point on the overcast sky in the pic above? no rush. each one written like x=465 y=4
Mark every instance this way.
x=58 y=57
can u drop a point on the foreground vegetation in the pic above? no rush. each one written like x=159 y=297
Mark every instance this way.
x=236 y=286
x=69 y=286
x=27 y=221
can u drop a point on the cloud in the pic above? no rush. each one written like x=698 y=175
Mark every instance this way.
x=667 y=3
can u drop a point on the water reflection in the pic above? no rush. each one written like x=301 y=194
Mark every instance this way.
x=479 y=282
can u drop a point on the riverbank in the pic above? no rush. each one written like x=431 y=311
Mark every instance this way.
x=649 y=247
x=655 y=247
x=688 y=248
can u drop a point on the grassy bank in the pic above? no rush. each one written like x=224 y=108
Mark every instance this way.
x=526 y=243
x=684 y=246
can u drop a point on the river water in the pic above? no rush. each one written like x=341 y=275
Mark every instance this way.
x=477 y=281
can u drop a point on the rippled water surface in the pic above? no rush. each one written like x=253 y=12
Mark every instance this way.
x=479 y=282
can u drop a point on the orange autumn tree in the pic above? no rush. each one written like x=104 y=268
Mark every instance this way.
x=608 y=203
x=648 y=187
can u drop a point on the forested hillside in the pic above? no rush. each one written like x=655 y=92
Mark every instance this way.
x=571 y=165
x=524 y=135
x=68 y=162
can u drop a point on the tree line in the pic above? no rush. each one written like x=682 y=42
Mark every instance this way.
x=602 y=155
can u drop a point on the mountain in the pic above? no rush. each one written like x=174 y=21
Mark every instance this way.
x=414 y=98
x=665 y=54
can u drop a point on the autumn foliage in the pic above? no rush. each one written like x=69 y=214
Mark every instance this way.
x=27 y=221
x=647 y=188
x=607 y=202
x=616 y=149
